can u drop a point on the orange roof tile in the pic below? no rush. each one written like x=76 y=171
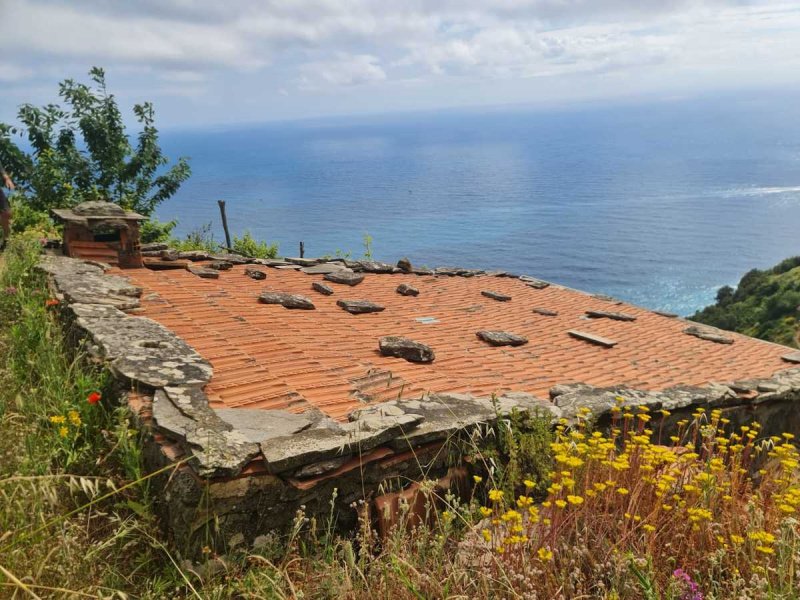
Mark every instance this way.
x=266 y=356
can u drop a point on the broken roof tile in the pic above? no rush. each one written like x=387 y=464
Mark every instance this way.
x=592 y=338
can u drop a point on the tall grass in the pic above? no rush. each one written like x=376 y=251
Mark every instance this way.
x=60 y=452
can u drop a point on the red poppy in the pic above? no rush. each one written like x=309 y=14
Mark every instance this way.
x=51 y=302
x=93 y=398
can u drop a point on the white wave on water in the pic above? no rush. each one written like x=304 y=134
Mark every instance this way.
x=761 y=191
x=781 y=193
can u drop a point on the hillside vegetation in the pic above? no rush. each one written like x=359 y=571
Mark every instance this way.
x=764 y=304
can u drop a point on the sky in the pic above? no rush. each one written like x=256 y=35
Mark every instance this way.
x=238 y=61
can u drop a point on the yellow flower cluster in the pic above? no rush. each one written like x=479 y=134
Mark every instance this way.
x=72 y=417
x=689 y=492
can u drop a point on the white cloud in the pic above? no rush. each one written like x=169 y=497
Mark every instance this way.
x=66 y=32
x=11 y=72
x=342 y=71
x=580 y=48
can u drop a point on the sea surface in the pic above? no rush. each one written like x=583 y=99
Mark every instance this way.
x=658 y=204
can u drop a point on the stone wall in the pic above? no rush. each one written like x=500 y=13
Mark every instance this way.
x=232 y=476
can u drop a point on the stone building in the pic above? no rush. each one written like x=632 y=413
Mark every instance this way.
x=293 y=384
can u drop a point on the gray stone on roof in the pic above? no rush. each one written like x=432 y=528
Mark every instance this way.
x=502 y=338
x=359 y=307
x=254 y=273
x=204 y=272
x=402 y=347
x=709 y=334
x=322 y=288
x=792 y=357
x=323 y=268
x=345 y=277
x=405 y=289
x=286 y=300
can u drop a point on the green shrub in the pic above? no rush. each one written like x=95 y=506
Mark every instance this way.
x=200 y=238
x=26 y=218
x=154 y=230
x=247 y=245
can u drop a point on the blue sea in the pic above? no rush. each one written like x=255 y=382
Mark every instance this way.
x=658 y=204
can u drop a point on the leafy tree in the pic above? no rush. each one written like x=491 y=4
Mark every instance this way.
x=82 y=152
x=725 y=294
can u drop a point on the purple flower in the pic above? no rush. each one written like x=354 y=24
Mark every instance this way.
x=11 y=291
x=690 y=589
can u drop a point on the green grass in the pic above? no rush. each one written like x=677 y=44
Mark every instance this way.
x=56 y=530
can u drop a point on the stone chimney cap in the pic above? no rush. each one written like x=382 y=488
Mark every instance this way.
x=96 y=210
x=99 y=209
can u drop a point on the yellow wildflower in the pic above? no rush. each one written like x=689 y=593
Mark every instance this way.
x=762 y=536
x=511 y=515
x=74 y=417
x=495 y=495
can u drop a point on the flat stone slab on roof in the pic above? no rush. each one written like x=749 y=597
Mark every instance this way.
x=327 y=360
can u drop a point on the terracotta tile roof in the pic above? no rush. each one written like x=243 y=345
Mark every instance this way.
x=266 y=356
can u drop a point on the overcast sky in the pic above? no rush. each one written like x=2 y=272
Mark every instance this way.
x=222 y=61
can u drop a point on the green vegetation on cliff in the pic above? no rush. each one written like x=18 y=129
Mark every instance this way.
x=764 y=304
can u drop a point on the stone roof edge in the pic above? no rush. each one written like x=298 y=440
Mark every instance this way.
x=145 y=355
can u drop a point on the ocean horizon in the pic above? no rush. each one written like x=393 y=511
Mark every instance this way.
x=658 y=204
